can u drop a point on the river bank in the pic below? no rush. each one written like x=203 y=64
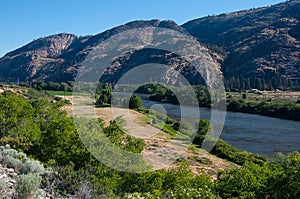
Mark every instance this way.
x=255 y=133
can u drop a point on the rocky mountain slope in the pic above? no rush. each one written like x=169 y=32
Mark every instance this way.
x=258 y=43
x=38 y=59
x=263 y=42
x=57 y=57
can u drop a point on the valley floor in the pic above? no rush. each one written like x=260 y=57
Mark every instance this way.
x=161 y=151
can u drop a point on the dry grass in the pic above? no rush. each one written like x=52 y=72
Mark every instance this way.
x=269 y=95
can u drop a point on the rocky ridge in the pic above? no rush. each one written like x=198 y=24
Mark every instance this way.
x=262 y=42
x=257 y=43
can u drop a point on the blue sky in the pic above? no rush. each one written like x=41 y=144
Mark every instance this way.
x=25 y=20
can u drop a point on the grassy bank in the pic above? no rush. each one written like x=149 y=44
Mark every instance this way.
x=283 y=110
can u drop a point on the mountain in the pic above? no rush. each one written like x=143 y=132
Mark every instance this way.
x=258 y=43
x=57 y=58
x=256 y=48
x=37 y=59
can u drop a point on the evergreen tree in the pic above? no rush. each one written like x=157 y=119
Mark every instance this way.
x=248 y=84
x=263 y=84
x=258 y=83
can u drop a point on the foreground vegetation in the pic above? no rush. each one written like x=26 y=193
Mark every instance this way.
x=36 y=125
x=29 y=171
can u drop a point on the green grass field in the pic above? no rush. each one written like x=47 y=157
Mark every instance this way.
x=64 y=93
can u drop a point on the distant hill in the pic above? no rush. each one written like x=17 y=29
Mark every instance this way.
x=257 y=48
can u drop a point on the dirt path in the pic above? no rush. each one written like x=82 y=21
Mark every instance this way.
x=161 y=151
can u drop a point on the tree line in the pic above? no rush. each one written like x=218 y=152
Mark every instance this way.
x=283 y=110
x=242 y=84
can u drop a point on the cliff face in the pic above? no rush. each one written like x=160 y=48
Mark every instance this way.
x=260 y=42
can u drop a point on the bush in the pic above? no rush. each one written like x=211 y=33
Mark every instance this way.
x=17 y=142
x=16 y=164
x=137 y=195
x=117 y=135
x=84 y=190
x=203 y=130
x=226 y=151
x=19 y=161
x=32 y=166
x=196 y=193
x=27 y=185
x=10 y=157
x=279 y=178
x=3 y=187
x=245 y=182
x=105 y=92
x=285 y=176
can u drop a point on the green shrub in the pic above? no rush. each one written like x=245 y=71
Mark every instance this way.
x=27 y=185
x=245 y=182
x=19 y=161
x=284 y=181
x=10 y=157
x=117 y=135
x=195 y=193
x=137 y=195
x=226 y=151
x=17 y=142
x=84 y=190
x=278 y=178
x=135 y=102
x=16 y=164
x=3 y=187
x=32 y=166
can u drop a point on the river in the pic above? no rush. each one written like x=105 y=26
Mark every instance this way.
x=250 y=132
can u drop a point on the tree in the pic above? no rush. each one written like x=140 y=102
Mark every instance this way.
x=135 y=102
x=258 y=83
x=105 y=97
x=248 y=83
x=17 y=121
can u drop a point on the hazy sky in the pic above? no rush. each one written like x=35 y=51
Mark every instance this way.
x=25 y=20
